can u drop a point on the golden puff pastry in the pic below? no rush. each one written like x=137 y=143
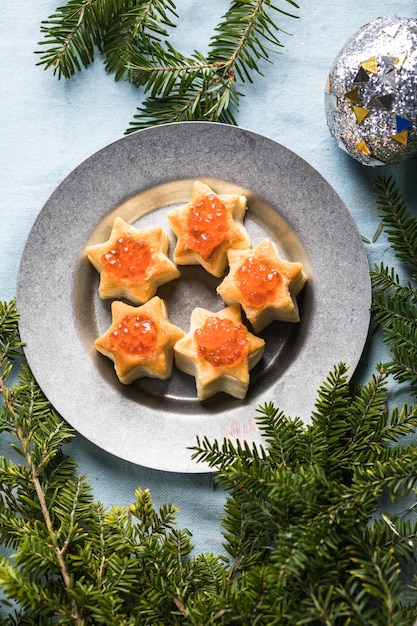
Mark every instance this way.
x=264 y=284
x=218 y=351
x=207 y=227
x=132 y=263
x=140 y=340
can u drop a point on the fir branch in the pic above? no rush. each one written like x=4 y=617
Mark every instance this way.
x=206 y=87
x=23 y=407
x=226 y=454
x=182 y=89
x=132 y=36
x=10 y=344
x=138 y=28
x=282 y=435
x=395 y=301
x=71 y=35
x=80 y=27
x=395 y=308
x=311 y=544
x=397 y=221
x=238 y=42
x=386 y=280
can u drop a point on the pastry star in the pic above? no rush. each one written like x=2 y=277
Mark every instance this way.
x=268 y=292
x=229 y=352
x=207 y=226
x=132 y=263
x=140 y=340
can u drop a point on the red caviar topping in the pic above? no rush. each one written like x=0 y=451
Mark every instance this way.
x=258 y=282
x=221 y=342
x=207 y=225
x=136 y=335
x=128 y=259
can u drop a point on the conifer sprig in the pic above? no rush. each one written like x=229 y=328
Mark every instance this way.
x=133 y=38
x=397 y=220
x=208 y=87
x=302 y=527
x=395 y=298
x=39 y=434
x=137 y=29
x=81 y=28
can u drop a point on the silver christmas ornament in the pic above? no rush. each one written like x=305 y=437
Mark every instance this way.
x=371 y=95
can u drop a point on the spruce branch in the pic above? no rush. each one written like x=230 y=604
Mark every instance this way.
x=244 y=35
x=313 y=549
x=208 y=87
x=397 y=221
x=138 y=28
x=71 y=35
x=133 y=38
x=80 y=28
x=10 y=344
x=395 y=300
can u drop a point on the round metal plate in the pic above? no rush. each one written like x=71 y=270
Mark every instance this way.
x=140 y=177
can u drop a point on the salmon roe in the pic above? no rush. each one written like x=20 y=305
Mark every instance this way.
x=128 y=259
x=221 y=342
x=207 y=225
x=136 y=335
x=258 y=282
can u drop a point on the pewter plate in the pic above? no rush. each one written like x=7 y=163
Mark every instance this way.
x=140 y=177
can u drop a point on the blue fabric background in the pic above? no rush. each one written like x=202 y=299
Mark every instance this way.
x=47 y=127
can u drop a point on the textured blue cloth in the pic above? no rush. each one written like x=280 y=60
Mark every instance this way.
x=48 y=127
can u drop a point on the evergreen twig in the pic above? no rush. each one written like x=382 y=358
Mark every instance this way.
x=133 y=37
x=298 y=517
x=80 y=28
x=395 y=299
x=399 y=224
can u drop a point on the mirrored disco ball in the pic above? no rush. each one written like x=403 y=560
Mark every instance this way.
x=371 y=94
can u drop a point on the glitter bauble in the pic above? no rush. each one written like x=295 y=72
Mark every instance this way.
x=371 y=99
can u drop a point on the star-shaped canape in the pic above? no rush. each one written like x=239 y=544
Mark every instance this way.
x=218 y=351
x=140 y=340
x=264 y=284
x=207 y=227
x=132 y=263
